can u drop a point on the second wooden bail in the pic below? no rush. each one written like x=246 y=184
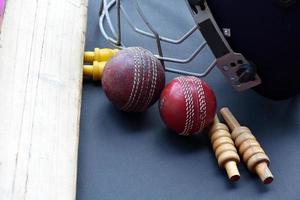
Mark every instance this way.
x=224 y=149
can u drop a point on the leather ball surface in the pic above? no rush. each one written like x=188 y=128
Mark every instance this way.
x=187 y=105
x=133 y=79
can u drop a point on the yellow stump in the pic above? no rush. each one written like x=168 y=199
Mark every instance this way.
x=95 y=71
x=99 y=54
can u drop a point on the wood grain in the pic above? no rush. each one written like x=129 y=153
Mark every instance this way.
x=41 y=51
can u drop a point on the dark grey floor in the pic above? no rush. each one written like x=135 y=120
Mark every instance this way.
x=133 y=156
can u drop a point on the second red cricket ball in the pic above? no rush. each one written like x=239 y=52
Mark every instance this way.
x=187 y=105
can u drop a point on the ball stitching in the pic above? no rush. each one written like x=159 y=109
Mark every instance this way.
x=139 y=90
x=188 y=105
x=202 y=103
x=153 y=66
x=135 y=81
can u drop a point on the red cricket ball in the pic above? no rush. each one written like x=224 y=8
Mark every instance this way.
x=133 y=79
x=187 y=105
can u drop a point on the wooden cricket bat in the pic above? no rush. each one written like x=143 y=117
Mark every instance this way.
x=41 y=57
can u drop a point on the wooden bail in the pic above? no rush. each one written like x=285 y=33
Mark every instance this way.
x=249 y=148
x=224 y=149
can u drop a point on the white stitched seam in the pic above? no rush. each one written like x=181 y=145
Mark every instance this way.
x=188 y=105
x=153 y=79
x=138 y=82
x=142 y=68
x=149 y=81
x=202 y=103
x=126 y=107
